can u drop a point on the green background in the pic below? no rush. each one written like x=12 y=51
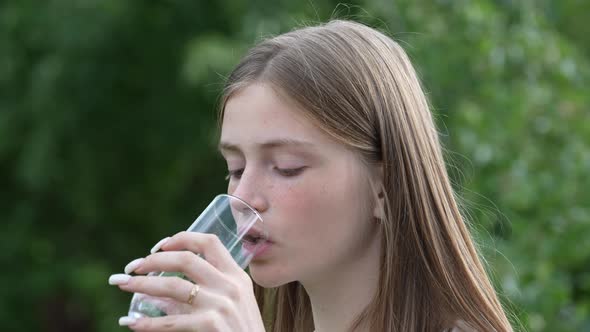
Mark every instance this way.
x=107 y=136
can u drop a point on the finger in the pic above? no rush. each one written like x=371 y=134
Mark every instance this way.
x=208 y=245
x=204 y=321
x=169 y=287
x=185 y=262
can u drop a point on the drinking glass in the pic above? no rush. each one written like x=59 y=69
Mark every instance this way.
x=229 y=218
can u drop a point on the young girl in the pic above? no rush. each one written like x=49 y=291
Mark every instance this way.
x=327 y=133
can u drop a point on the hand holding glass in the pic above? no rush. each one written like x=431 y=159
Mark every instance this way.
x=238 y=226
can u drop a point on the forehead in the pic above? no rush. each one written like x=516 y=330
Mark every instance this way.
x=258 y=114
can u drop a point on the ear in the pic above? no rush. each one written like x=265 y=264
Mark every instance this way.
x=379 y=209
x=379 y=192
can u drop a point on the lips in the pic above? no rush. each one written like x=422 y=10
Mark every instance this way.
x=256 y=242
x=254 y=236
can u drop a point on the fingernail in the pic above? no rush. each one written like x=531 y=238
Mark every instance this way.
x=119 y=279
x=124 y=321
x=133 y=265
x=159 y=244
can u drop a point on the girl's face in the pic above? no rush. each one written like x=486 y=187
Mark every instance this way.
x=312 y=192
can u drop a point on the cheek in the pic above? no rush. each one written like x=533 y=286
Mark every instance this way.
x=297 y=207
x=321 y=206
x=297 y=199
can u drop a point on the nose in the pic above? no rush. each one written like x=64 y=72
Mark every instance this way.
x=250 y=190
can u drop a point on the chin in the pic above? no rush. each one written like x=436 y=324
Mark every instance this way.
x=268 y=276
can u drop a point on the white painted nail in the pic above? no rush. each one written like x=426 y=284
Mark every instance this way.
x=119 y=279
x=159 y=244
x=124 y=321
x=133 y=265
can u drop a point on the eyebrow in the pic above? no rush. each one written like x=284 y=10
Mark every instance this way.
x=272 y=144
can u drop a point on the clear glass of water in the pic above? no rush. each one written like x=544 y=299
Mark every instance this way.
x=240 y=229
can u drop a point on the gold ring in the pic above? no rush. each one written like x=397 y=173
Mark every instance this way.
x=193 y=293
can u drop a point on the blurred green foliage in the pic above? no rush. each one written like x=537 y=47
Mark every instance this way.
x=107 y=135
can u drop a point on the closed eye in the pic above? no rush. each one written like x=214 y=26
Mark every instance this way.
x=286 y=172
x=290 y=172
x=234 y=174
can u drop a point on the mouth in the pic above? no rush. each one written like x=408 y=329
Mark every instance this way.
x=255 y=236
x=256 y=242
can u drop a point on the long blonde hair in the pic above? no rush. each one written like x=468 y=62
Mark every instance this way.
x=359 y=86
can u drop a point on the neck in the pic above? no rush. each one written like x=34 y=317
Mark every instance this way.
x=338 y=297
